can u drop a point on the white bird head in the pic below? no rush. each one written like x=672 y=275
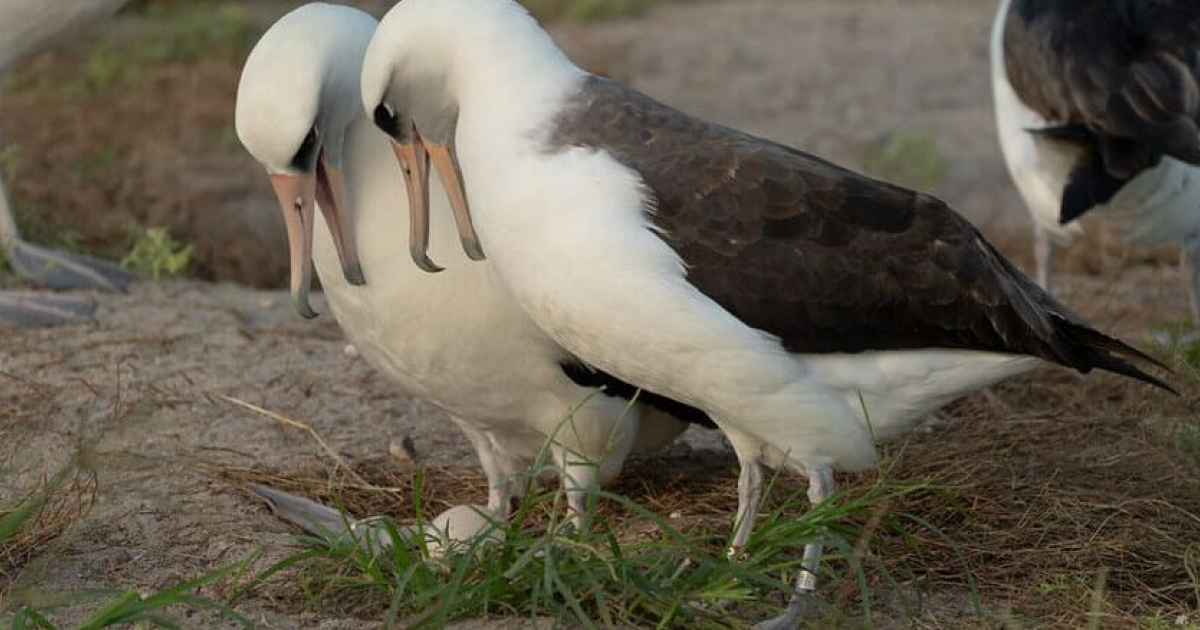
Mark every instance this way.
x=298 y=95
x=424 y=55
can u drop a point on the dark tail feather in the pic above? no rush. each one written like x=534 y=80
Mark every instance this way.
x=1088 y=186
x=1093 y=349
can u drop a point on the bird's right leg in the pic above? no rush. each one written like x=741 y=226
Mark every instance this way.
x=820 y=486
x=1043 y=255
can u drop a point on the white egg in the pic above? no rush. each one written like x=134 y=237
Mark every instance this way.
x=457 y=528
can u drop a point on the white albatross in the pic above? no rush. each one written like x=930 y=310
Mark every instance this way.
x=807 y=309
x=1097 y=106
x=456 y=338
x=25 y=27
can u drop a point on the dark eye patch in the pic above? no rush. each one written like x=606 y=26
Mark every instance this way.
x=387 y=122
x=306 y=156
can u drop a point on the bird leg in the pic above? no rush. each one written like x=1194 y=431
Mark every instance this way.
x=54 y=269
x=500 y=479
x=820 y=486
x=1043 y=255
x=1189 y=268
x=579 y=477
x=749 y=486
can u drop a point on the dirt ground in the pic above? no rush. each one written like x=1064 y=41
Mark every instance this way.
x=1050 y=463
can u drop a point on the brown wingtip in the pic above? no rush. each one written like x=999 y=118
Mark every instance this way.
x=1097 y=350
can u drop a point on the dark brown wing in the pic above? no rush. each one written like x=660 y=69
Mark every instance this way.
x=1122 y=77
x=824 y=258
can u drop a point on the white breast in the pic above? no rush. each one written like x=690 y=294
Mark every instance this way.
x=455 y=338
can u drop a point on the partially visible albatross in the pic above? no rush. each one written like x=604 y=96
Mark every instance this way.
x=1098 y=107
x=456 y=339
x=25 y=27
x=807 y=309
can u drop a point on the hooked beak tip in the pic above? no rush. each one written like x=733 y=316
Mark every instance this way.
x=473 y=249
x=422 y=260
x=354 y=274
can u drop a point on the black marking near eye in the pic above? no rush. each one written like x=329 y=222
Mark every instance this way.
x=387 y=122
x=306 y=156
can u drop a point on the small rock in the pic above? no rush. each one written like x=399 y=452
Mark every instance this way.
x=404 y=450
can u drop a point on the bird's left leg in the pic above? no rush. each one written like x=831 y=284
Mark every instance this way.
x=820 y=486
x=580 y=477
x=1189 y=268
x=749 y=486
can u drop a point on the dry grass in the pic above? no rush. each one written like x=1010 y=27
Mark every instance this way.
x=1067 y=497
x=59 y=500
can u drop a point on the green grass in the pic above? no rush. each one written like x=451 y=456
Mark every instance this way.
x=177 y=33
x=1172 y=341
x=100 y=157
x=589 y=10
x=35 y=227
x=592 y=577
x=29 y=607
x=909 y=159
x=188 y=32
x=154 y=253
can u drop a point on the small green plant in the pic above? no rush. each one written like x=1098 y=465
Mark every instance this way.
x=155 y=253
x=35 y=227
x=588 y=10
x=1188 y=441
x=25 y=525
x=105 y=67
x=908 y=159
x=98 y=158
x=188 y=32
x=589 y=576
x=10 y=162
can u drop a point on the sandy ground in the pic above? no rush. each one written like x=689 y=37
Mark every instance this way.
x=146 y=390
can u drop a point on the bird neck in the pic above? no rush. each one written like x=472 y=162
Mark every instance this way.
x=510 y=81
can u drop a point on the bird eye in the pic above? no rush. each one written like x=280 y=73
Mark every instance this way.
x=387 y=121
x=306 y=156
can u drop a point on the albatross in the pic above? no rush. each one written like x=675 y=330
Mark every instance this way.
x=1097 y=105
x=456 y=339
x=807 y=309
x=26 y=26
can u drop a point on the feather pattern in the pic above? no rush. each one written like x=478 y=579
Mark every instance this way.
x=823 y=258
x=1127 y=72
